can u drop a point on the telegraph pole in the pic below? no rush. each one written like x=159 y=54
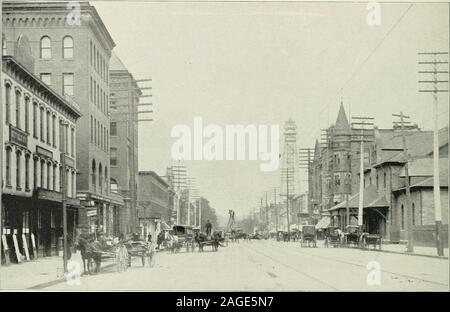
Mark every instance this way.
x=409 y=212
x=276 y=210
x=305 y=163
x=366 y=135
x=435 y=86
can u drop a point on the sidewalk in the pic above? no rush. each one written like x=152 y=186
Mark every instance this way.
x=46 y=270
x=418 y=250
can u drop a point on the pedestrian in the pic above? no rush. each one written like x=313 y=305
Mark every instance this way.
x=149 y=237
x=208 y=227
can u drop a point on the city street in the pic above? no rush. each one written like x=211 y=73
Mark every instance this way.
x=269 y=265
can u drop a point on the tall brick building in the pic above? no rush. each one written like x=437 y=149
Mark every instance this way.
x=74 y=60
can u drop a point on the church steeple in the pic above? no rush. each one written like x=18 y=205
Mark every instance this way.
x=342 y=121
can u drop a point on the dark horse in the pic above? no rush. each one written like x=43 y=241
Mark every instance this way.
x=203 y=240
x=88 y=254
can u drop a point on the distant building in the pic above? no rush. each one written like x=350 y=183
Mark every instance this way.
x=154 y=201
x=39 y=125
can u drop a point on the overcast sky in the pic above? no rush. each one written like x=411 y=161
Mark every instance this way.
x=261 y=63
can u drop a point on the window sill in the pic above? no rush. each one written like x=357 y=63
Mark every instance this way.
x=18 y=188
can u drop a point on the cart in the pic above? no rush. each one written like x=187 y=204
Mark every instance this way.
x=213 y=241
x=140 y=249
x=309 y=236
x=371 y=239
x=332 y=237
x=352 y=236
x=185 y=234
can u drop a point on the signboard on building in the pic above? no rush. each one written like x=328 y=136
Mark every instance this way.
x=44 y=152
x=17 y=136
x=91 y=212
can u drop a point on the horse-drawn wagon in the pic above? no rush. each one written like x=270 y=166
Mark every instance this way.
x=212 y=240
x=308 y=236
x=185 y=235
x=352 y=236
x=333 y=236
x=371 y=239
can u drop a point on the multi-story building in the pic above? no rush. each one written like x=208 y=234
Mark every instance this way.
x=154 y=201
x=125 y=94
x=72 y=57
x=39 y=127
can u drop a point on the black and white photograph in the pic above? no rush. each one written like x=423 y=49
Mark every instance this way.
x=224 y=146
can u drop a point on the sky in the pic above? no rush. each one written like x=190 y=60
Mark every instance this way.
x=262 y=63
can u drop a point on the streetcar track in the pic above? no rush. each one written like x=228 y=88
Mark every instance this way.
x=362 y=266
x=295 y=269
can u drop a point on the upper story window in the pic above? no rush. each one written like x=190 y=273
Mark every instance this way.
x=46 y=48
x=68 y=47
x=7 y=103
x=68 y=84
x=113 y=128
x=113 y=156
x=4 y=45
x=18 y=110
x=46 y=78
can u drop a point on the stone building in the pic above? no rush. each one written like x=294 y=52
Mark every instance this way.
x=72 y=57
x=39 y=125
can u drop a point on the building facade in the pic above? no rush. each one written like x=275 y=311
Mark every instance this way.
x=125 y=94
x=39 y=127
x=73 y=59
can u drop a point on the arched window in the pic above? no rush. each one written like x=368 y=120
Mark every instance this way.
x=7 y=103
x=68 y=47
x=8 y=166
x=94 y=175
x=4 y=45
x=18 y=108
x=114 y=186
x=46 y=48
x=384 y=180
x=100 y=177
x=106 y=181
x=18 y=169
x=403 y=217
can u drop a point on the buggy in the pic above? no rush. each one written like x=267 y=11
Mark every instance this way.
x=352 y=235
x=332 y=237
x=371 y=239
x=185 y=234
x=309 y=236
x=140 y=249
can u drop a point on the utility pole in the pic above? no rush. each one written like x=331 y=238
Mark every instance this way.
x=305 y=163
x=366 y=135
x=435 y=88
x=132 y=97
x=276 y=210
x=409 y=212
x=267 y=213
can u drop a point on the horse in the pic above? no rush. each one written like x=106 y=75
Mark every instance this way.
x=213 y=240
x=88 y=254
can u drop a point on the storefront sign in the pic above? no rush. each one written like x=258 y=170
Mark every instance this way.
x=91 y=212
x=17 y=136
x=44 y=152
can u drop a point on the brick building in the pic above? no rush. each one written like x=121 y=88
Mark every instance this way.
x=74 y=60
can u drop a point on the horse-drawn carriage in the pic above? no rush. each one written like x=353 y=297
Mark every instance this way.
x=371 y=239
x=185 y=237
x=352 y=236
x=333 y=236
x=308 y=236
x=283 y=236
x=213 y=240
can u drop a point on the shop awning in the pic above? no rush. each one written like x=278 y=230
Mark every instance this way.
x=323 y=223
x=371 y=199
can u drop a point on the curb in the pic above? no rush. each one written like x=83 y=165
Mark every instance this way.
x=411 y=254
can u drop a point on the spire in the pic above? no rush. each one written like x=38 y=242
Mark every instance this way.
x=317 y=149
x=342 y=121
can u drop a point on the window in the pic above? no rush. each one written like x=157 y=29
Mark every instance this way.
x=18 y=110
x=61 y=136
x=113 y=156
x=106 y=181
x=46 y=78
x=403 y=217
x=107 y=139
x=54 y=130
x=92 y=129
x=8 y=166
x=113 y=128
x=384 y=180
x=42 y=173
x=18 y=169
x=35 y=173
x=68 y=84
x=413 y=208
x=66 y=138
x=74 y=184
x=377 y=182
x=72 y=142
x=68 y=47
x=95 y=131
x=54 y=177
x=27 y=114
x=100 y=178
x=35 y=113
x=114 y=186
x=42 y=124
x=49 y=142
x=27 y=172
x=4 y=45
x=337 y=179
x=92 y=90
x=94 y=177
x=49 y=175
x=46 y=48
x=90 y=43
x=7 y=103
